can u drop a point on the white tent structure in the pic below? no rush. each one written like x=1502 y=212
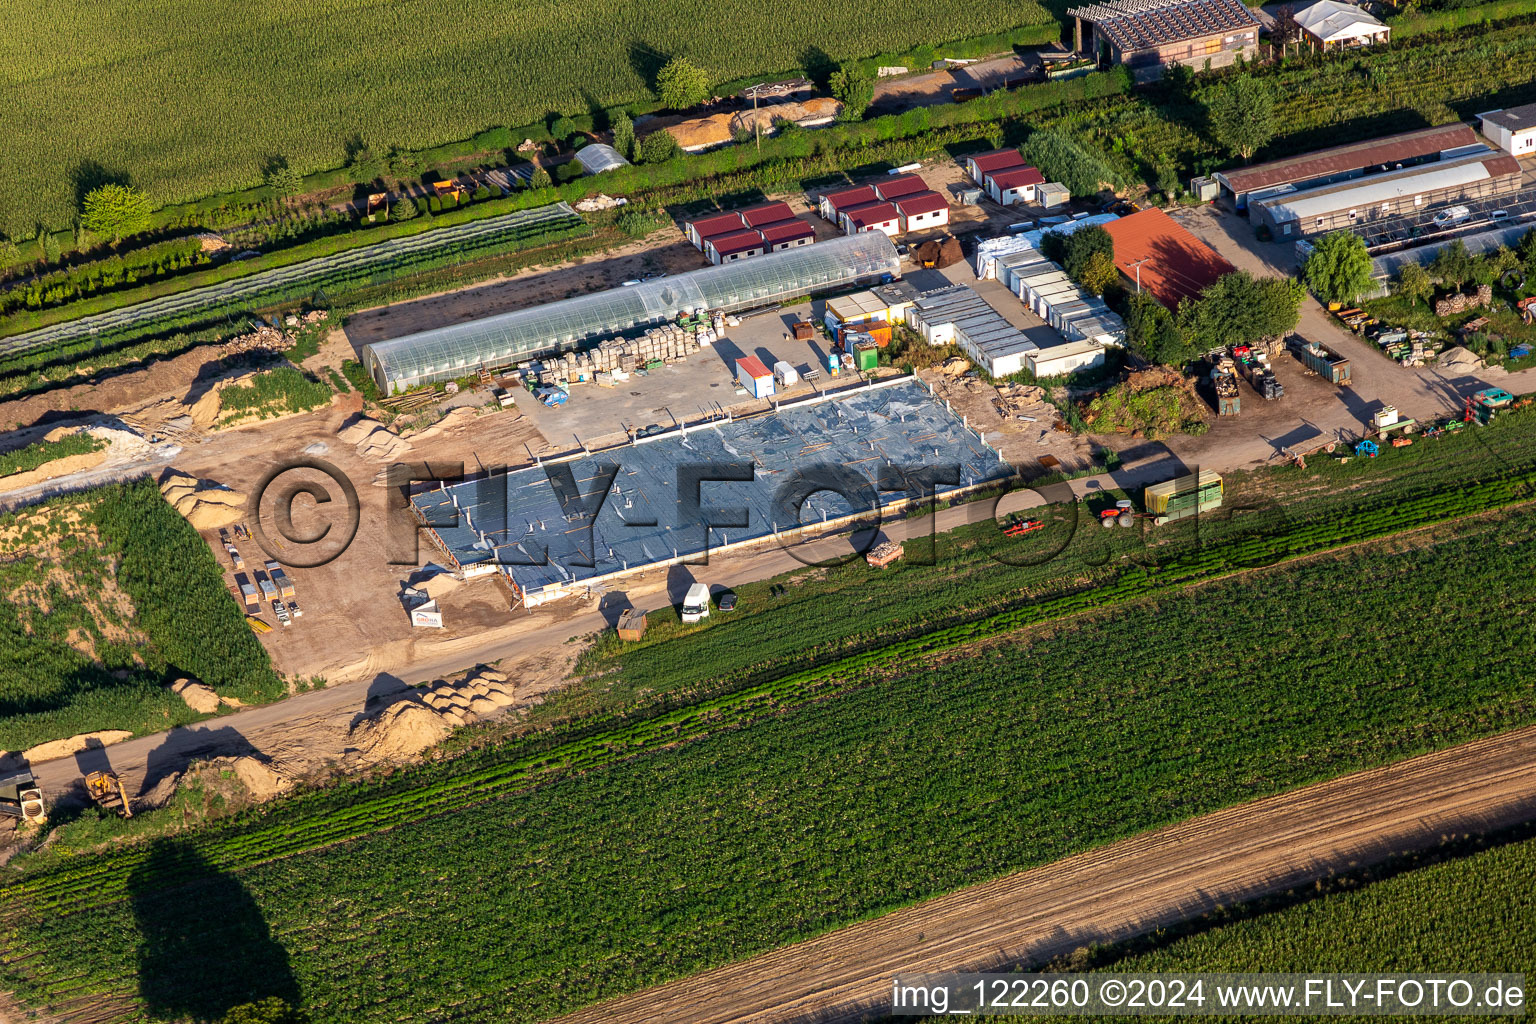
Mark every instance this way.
x=1331 y=25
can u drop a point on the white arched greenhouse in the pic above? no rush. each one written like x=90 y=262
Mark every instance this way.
x=496 y=342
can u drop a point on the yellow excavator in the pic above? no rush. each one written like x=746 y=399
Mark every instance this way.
x=107 y=790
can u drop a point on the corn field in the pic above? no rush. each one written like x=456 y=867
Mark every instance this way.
x=189 y=99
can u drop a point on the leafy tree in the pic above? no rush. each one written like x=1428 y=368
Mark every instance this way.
x=1242 y=115
x=364 y=166
x=283 y=180
x=658 y=147
x=1452 y=265
x=1414 y=283
x=1241 y=309
x=115 y=211
x=271 y=1010
x=50 y=245
x=401 y=162
x=1526 y=250
x=1152 y=334
x=854 y=88
x=1098 y=273
x=1286 y=30
x=562 y=128
x=569 y=171
x=681 y=84
x=10 y=253
x=624 y=135
x=540 y=178
x=1503 y=261
x=403 y=209
x=1062 y=159
x=1079 y=247
x=1339 y=269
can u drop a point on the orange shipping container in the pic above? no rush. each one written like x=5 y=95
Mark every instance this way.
x=880 y=332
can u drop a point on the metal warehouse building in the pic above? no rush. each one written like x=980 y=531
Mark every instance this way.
x=1387 y=196
x=444 y=353
x=1341 y=163
x=548 y=544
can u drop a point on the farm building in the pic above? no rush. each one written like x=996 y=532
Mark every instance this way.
x=1512 y=130
x=1330 y=25
x=1341 y=163
x=921 y=211
x=1015 y=185
x=701 y=230
x=832 y=204
x=787 y=234
x=1146 y=35
x=982 y=164
x=1161 y=258
x=597 y=157
x=897 y=186
x=877 y=216
x=518 y=525
x=957 y=315
x=738 y=245
x=1388 y=195
x=444 y=353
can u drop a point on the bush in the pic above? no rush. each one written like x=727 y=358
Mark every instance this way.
x=403 y=209
x=680 y=84
x=482 y=193
x=568 y=171
x=434 y=204
x=658 y=147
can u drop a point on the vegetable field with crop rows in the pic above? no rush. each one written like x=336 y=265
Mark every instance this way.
x=624 y=855
x=191 y=98
x=1462 y=914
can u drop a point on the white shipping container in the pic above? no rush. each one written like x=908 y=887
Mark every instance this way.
x=785 y=374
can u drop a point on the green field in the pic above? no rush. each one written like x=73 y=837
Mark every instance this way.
x=189 y=98
x=621 y=851
x=40 y=453
x=106 y=597
x=1472 y=913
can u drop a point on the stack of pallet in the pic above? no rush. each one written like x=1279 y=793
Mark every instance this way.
x=657 y=347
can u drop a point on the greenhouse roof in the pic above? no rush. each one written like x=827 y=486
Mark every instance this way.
x=599 y=157
x=458 y=350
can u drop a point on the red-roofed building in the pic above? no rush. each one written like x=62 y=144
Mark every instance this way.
x=733 y=247
x=701 y=230
x=983 y=164
x=1014 y=185
x=901 y=185
x=832 y=204
x=767 y=213
x=871 y=217
x=922 y=211
x=1170 y=263
x=788 y=234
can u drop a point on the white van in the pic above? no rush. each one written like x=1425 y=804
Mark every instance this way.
x=696 y=604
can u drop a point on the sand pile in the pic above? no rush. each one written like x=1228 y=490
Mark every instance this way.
x=409 y=727
x=203 y=503
x=199 y=698
x=373 y=440
x=55 y=749
x=1461 y=359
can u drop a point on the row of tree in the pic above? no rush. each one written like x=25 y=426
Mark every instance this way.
x=1239 y=309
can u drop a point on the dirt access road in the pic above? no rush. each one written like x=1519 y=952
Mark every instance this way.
x=1115 y=892
x=304 y=732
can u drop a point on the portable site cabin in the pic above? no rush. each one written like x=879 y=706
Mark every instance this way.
x=1183 y=496
x=754 y=376
x=268 y=590
x=785 y=375
x=249 y=596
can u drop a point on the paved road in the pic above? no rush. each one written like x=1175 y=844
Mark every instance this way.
x=1116 y=892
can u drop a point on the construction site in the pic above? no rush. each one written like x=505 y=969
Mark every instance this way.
x=815 y=465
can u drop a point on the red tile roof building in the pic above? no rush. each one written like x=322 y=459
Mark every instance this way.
x=922 y=211
x=982 y=164
x=1014 y=185
x=901 y=185
x=834 y=203
x=1172 y=263
x=871 y=217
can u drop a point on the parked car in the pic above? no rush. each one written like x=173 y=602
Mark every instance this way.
x=1498 y=215
x=1455 y=215
x=727 y=602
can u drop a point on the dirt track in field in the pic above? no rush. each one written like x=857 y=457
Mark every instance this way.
x=1115 y=892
